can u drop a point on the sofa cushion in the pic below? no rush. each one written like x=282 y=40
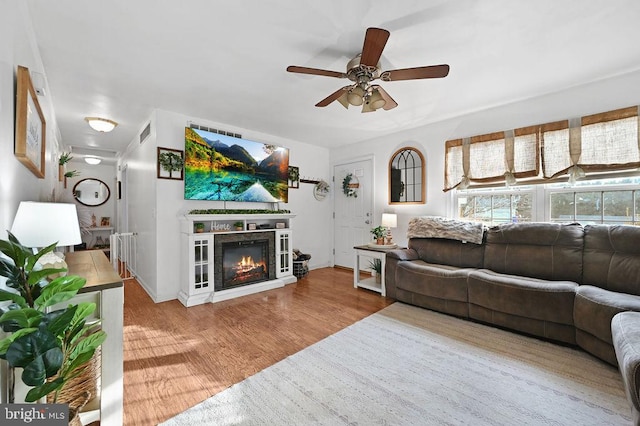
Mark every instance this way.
x=612 y=257
x=448 y=252
x=549 y=251
x=523 y=296
x=595 y=308
x=440 y=281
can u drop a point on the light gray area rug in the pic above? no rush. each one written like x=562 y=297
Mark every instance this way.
x=410 y=366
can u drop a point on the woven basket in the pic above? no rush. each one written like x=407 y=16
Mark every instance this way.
x=85 y=383
x=76 y=406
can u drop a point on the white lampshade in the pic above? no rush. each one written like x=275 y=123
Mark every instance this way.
x=389 y=220
x=41 y=224
x=101 y=124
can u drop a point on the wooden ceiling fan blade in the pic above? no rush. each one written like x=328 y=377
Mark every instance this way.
x=433 y=71
x=315 y=71
x=389 y=103
x=374 y=41
x=332 y=97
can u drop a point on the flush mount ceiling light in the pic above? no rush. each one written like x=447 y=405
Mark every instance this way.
x=101 y=124
x=92 y=160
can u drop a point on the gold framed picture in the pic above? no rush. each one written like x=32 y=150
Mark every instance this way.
x=30 y=125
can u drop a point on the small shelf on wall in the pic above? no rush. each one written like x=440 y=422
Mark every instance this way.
x=99 y=228
x=312 y=181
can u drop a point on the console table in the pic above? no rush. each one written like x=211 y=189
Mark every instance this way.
x=104 y=287
x=376 y=253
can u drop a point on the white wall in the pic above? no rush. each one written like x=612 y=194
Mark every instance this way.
x=141 y=197
x=164 y=208
x=17 y=183
x=604 y=95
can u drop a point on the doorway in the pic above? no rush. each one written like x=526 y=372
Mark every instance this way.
x=353 y=208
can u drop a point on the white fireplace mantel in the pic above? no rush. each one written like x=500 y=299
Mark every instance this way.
x=198 y=252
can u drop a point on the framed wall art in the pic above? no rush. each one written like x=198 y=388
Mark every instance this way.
x=30 y=125
x=170 y=163
x=294 y=177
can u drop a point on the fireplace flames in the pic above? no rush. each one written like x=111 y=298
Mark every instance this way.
x=244 y=264
x=247 y=264
x=247 y=269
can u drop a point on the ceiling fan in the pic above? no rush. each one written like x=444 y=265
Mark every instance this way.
x=365 y=68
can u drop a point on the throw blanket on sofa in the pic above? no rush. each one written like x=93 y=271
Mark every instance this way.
x=439 y=227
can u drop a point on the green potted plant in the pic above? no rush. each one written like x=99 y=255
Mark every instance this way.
x=199 y=227
x=52 y=346
x=379 y=232
x=238 y=225
x=65 y=157
x=70 y=174
x=376 y=269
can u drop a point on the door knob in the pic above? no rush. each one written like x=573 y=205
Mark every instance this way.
x=367 y=222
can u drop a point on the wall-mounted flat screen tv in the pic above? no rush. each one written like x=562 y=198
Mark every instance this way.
x=224 y=168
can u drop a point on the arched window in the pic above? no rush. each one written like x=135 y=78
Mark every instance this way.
x=406 y=177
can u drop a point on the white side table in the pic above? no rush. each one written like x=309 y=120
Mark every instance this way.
x=376 y=253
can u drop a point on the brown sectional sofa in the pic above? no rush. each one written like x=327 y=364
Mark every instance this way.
x=562 y=282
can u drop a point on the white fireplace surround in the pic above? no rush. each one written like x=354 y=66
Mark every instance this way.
x=198 y=254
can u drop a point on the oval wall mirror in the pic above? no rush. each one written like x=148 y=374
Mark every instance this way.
x=91 y=192
x=406 y=177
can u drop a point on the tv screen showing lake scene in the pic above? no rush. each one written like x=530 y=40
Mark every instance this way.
x=224 y=168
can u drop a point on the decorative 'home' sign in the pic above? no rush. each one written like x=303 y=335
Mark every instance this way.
x=215 y=226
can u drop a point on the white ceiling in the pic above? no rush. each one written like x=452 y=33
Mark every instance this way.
x=225 y=61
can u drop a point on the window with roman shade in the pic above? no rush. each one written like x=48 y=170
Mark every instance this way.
x=494 y=157
x=596 y=143
x=556 y=157
x=609 y=141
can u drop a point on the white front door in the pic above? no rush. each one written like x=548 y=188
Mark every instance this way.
x=353 y=214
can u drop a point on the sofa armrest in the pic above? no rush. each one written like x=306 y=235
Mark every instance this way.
x=625 y=330
x=403 y=254
x=392 y=259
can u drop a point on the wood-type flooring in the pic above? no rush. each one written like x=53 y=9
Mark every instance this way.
x=176 y=357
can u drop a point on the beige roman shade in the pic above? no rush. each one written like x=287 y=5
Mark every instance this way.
x=602 y=142
x=494 y=157
x=609 y=141
x=556 y=159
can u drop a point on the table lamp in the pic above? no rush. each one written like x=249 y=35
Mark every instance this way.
x=38 y=225
x=389 y=220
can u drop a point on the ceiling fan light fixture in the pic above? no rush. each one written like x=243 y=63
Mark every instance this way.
x=101 y=124
x=92 y=160
x=364 y=68
x=344 y=99
x=356 y=96
x=366 y=107
x=376 y=100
